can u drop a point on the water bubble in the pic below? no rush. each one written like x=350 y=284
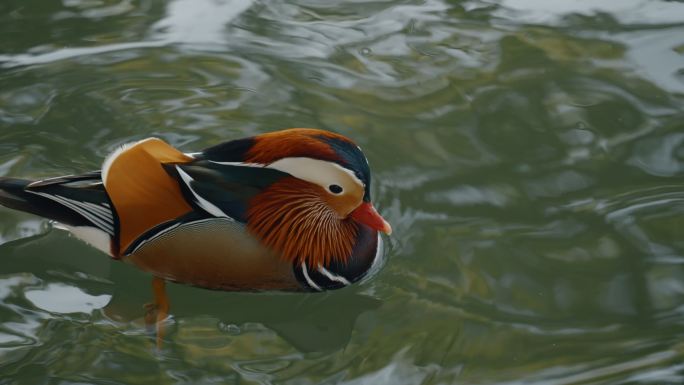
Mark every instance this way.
x=229 y=328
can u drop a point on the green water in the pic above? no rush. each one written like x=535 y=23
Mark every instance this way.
x=529 y=155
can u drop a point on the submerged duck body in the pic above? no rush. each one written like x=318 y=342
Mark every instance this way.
x=288 y=210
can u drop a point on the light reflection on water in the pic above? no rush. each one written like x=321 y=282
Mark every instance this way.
x=528 y=155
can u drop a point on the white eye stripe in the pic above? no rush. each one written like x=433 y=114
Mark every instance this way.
x=284 y=166
x=316 y=171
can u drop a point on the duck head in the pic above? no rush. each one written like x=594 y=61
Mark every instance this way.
x=314 y=213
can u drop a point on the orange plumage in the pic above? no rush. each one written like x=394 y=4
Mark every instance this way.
x=142 y=192
x=288 y=210
x=292 y=218
x=296 y=142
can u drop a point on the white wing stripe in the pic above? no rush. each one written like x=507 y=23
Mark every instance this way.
x=310 y=281
x=97 y=209
x=333 y=277
x=104 y=224
x=99 y=222
x=203 y=203
x=238 y=164
x=166 y=230
x=159 y=234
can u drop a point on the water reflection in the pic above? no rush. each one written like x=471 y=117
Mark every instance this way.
x=653 y=54
x=202 y=24
x=54 y=279
x=627 y=11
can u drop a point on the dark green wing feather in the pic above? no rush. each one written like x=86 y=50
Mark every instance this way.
x=228 y=187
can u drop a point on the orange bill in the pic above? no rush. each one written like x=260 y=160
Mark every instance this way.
x=368 y=215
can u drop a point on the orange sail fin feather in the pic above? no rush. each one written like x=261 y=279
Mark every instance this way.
x=141 y=190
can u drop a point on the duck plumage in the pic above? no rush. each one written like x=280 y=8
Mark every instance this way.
x=287 y=210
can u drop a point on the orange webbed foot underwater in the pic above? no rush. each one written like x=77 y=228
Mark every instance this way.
x=287 y=210
x=157 y=311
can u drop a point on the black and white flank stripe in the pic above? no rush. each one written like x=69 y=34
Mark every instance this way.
x=365 y=263
x=320 y=278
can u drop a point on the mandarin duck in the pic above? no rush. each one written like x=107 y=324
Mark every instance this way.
x=288 y=210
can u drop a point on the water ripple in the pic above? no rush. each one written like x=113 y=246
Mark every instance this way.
x=528 y=156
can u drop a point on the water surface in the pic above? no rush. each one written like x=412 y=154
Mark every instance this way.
x=528 y=153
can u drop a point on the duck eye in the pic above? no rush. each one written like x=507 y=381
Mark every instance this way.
x=335 y=189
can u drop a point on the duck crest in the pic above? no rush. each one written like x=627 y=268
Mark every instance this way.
x=292 y=218
x=298 y=142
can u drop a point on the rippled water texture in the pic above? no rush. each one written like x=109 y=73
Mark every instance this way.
x=529 y=154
